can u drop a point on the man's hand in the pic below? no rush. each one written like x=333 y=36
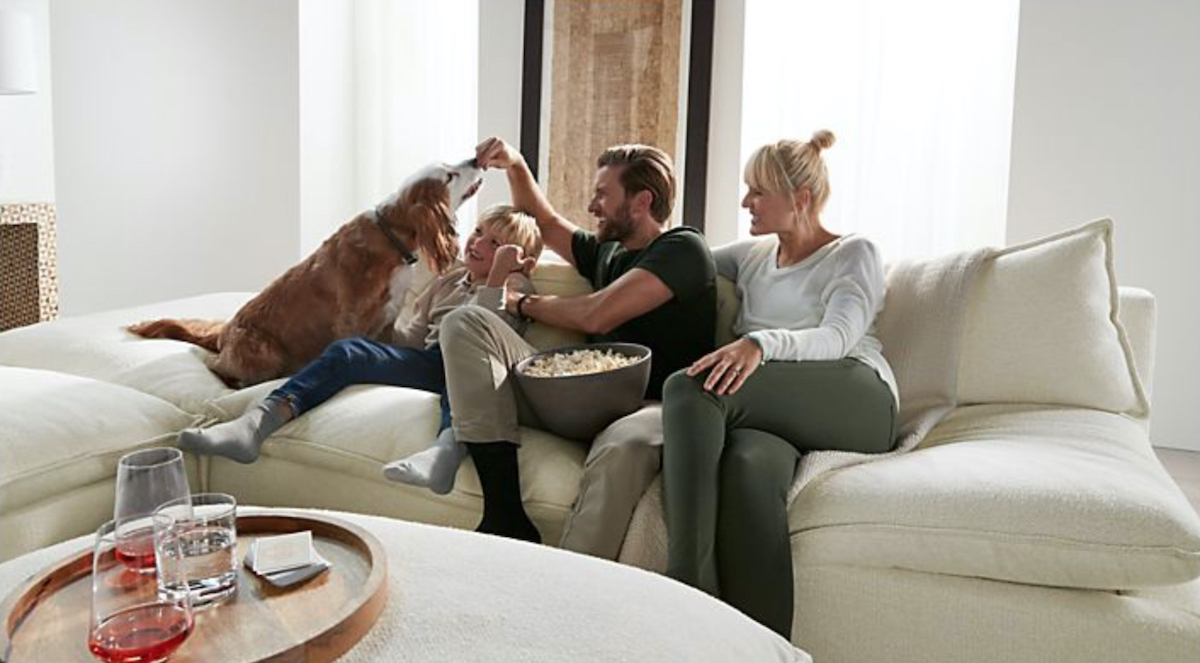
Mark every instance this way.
x=731 y=365
x=495 y=153
x=526 y=196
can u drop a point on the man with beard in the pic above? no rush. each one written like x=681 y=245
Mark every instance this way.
x=652 y=286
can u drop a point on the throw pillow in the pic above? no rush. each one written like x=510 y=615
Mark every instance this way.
x=1042 y=327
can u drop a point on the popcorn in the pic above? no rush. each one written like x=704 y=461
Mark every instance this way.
x=577 y=362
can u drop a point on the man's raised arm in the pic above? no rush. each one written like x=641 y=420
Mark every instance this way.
x=527 y=196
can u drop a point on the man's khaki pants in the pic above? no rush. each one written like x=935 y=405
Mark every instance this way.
x=478 y=350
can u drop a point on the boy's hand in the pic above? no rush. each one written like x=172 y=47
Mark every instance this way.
x=495 y=153
x=507 y=260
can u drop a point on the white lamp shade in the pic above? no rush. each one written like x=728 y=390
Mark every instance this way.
x=17 y=71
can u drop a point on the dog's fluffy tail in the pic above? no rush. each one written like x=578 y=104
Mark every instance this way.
x=205 y=333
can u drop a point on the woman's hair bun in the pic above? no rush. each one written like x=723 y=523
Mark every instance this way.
x=822 y=139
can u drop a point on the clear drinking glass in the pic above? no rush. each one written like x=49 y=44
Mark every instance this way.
x=132 y=622
x=146 y=479
x=204 y=527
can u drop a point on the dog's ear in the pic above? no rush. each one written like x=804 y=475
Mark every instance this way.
x=433 y=223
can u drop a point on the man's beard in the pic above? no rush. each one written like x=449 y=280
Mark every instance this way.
x=618 y=227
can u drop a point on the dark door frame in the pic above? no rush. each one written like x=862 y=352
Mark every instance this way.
x=699 y=101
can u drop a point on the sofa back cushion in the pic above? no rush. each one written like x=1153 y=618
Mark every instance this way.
x=562 y=279
x=1042 y=327
x=97 y=346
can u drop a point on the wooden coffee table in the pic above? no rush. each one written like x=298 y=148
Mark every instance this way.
x=459 y=596
x=317 y=620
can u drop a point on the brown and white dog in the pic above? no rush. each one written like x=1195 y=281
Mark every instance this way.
x=352 y=285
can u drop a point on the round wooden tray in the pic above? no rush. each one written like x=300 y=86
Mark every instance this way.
x=47 y=618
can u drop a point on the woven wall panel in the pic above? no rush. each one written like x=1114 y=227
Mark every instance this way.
x=28 y=264
x=614 y=79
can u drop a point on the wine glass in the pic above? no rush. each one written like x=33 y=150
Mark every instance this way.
x=132 y=622
x=146 y=479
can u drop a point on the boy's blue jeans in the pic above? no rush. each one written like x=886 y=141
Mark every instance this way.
x=363 y=361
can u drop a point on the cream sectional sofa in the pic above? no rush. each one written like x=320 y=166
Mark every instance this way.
x=1031 y=522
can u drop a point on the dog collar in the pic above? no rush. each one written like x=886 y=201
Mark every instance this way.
x=409 y=257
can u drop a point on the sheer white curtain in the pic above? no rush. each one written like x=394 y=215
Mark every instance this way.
x=918 y=94
x=416 y=81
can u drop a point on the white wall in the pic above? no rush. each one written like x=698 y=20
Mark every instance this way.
x=349 y=158
x=175 y=144
x=922 y=114
x=416 y=91
x=722 y=198
x=327 y=165
x=1105 y=124
x=26 y=133
x=501 y=53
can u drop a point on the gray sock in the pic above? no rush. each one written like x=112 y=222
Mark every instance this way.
x=241 y=438
x=433 y=468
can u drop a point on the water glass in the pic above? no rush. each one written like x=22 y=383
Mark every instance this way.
x=132 y=622
x=201 y=556
x=146 y=479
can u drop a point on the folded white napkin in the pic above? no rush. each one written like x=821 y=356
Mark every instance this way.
x=285 y=559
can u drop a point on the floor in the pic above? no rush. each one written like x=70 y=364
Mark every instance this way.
x=1184 y=467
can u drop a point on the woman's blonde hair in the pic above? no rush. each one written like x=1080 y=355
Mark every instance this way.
x=514 y=227
x=787 y=166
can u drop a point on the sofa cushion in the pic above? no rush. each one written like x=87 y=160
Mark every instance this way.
x=59 y=433
x=364 y=426
x=1042 y=327
x=551 y=277
x=1032 y=494
x=97 y=346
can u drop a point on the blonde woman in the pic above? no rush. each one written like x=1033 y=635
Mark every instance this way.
x=806 y=373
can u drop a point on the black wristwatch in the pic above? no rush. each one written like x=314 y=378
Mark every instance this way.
x=521 y=307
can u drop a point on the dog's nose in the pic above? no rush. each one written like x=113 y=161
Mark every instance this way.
x=472 y=162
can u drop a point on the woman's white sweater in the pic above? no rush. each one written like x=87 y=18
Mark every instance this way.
x=821 y=308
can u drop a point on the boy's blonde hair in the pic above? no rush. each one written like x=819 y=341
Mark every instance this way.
x=514 y=227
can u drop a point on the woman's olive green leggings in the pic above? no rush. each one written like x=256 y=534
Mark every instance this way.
x=728 y=462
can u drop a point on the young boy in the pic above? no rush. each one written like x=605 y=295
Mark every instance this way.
x=498 y=256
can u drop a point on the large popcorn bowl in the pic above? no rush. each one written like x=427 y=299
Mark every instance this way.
x=579 y=406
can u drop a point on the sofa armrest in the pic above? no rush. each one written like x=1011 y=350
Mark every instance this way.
x=1034 y=494
x=1138 y=313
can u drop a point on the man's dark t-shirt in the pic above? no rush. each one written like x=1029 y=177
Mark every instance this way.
x=680 y=331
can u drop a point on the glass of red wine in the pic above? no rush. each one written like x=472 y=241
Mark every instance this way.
x=132 y=622
x=146 y=479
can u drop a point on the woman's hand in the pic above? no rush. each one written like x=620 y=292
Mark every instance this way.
x=495 y=153
x=731 y=365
